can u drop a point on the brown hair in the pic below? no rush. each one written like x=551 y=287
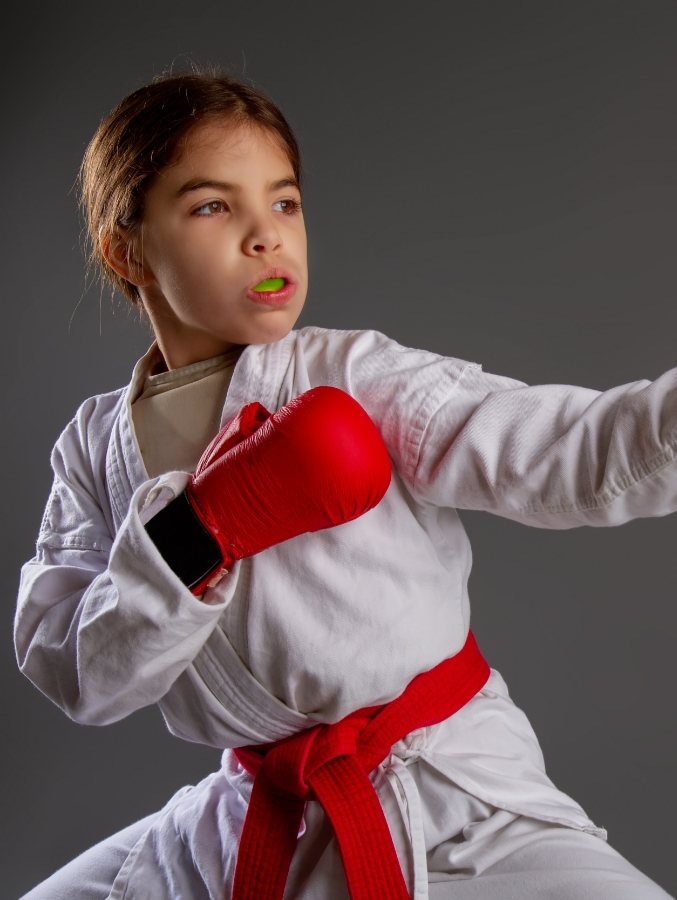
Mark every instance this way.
x=142 y=135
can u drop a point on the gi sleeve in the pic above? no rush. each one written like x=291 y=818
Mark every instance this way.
x=103 y=626
x=551 y=456
x=554 y=455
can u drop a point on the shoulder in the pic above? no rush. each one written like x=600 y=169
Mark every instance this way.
x=78 y=503
x=85 y=437
x=336 y=340
x=88 y=432
x=369 y=354
x=400 y=387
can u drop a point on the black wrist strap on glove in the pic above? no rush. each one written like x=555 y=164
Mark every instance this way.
x=184 y=543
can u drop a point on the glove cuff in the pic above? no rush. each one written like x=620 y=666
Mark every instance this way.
x=184 y=543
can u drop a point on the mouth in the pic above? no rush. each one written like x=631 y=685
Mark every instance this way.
x=270 y=284
x=271 y=281
x=273 y=288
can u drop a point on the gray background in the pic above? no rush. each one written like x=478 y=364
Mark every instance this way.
x=489 y=180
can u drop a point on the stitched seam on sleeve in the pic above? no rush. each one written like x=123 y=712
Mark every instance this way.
x=441 y=397
x=69 y=543
x=607 y=497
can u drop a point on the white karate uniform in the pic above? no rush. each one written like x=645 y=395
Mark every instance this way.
x=329 y=622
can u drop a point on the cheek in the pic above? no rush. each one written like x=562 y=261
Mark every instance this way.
x=300 y=244
x=176 y=262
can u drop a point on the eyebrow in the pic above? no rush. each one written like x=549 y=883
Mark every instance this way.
x=195 y=184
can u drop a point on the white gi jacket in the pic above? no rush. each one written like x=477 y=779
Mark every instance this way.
x=326 y=623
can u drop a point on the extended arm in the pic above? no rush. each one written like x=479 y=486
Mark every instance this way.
x=552 y=456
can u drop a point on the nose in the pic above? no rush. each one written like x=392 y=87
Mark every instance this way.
x=263 y=236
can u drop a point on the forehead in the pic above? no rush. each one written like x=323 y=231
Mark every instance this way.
x=225 y=143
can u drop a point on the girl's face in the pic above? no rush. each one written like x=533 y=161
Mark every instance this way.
x=222 y=218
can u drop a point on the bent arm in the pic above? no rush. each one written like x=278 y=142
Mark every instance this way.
x=103 y=626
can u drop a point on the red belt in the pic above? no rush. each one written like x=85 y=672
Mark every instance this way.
x=331 y=764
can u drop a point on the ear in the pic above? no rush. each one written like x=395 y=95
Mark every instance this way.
x=119 y=251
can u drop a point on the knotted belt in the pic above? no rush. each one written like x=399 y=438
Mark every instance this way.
x=331 y=764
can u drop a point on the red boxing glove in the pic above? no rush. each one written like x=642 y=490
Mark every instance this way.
x=317 y=462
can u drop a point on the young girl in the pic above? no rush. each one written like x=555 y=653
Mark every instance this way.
x=276 y=592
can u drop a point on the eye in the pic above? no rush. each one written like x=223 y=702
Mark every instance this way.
x=212 y=208
x=291 y=206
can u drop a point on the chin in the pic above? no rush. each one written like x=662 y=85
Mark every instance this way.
x=270 y=335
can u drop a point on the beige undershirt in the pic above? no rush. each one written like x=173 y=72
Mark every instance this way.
x=178 y=413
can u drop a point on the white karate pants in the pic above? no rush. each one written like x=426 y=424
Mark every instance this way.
x=501 y=857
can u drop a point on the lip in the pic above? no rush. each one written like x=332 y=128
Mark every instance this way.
x=272 y=298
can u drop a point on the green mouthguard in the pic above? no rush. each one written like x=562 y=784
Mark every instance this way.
x=270 y=284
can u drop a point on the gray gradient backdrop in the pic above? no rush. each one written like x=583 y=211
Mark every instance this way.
x=490 y=180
